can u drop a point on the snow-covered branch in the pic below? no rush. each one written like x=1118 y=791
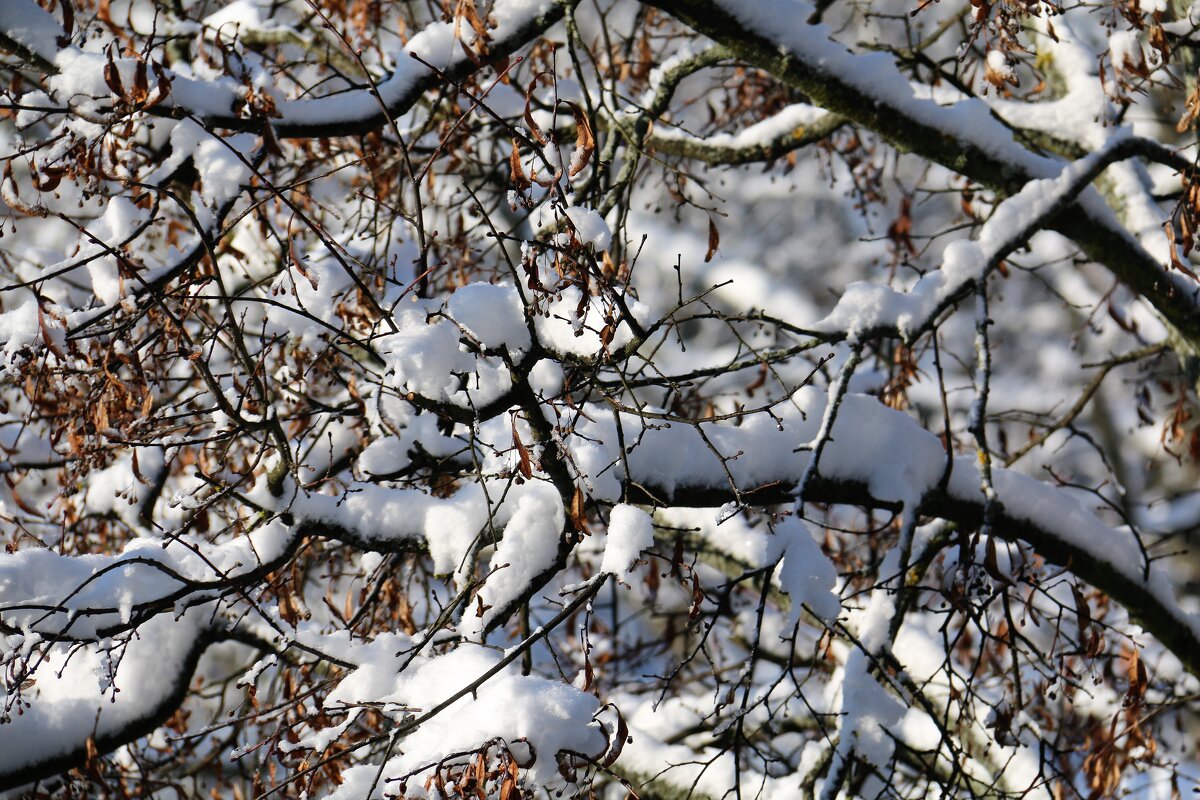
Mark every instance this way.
x=869 y=90
x=688 y=398
x=36 y=34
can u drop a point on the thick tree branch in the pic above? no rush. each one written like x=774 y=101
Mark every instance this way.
x=768 y=140
x=34 y=35
x=964 y=137
x=105 y=726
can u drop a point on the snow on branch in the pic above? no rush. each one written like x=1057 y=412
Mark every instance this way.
x=80 y=76
x=795 y=127
x=102 y=696
x=86 y=598
x=964 y=136
x=383 y=414
x=866 y=308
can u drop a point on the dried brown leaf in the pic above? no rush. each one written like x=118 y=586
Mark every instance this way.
x=714 y=240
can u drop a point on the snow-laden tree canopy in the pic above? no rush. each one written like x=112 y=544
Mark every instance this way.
x=678 y=399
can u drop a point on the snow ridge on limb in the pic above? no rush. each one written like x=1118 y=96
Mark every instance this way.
x=866 y=309
x=965 y=137
x=90 y=597
x=677 y=466
x=792 y=128
x=86 y=711
x=31 y=30
x=909 y=464
x=461 y=693
x=383 y=511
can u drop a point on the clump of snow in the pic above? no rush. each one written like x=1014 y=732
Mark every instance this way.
x=563 y=331
x=31 y=27
x=249 y=14
x=428 y=358
x=999 y=68
x=80 y=76
x=390 y=517
x=550 y=715
x=870 y=713
x=630 y=531
x=369 y=562
x=806 y=574
x=19 y=328
x=1125 y=51
x=451 y=529
x=424 y=355
x=529 y=546
x=222 y=172
x=119 y=221
x=865 y=307
x=493 y=314
x=590 y=227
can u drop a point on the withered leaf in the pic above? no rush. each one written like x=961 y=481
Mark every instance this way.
x=585 y=141
x=163 y=87
x=533 y=126
x=299 y=265
x=526 y=464
x=516 y=171
x=137 y=472
x=1136 y=672
x=578 y=512
x=619 y=740
x=141 y=85
x=1082 y=611
x=47 y=181
x=112 y=77
x=991 y=564
x=714 y=240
